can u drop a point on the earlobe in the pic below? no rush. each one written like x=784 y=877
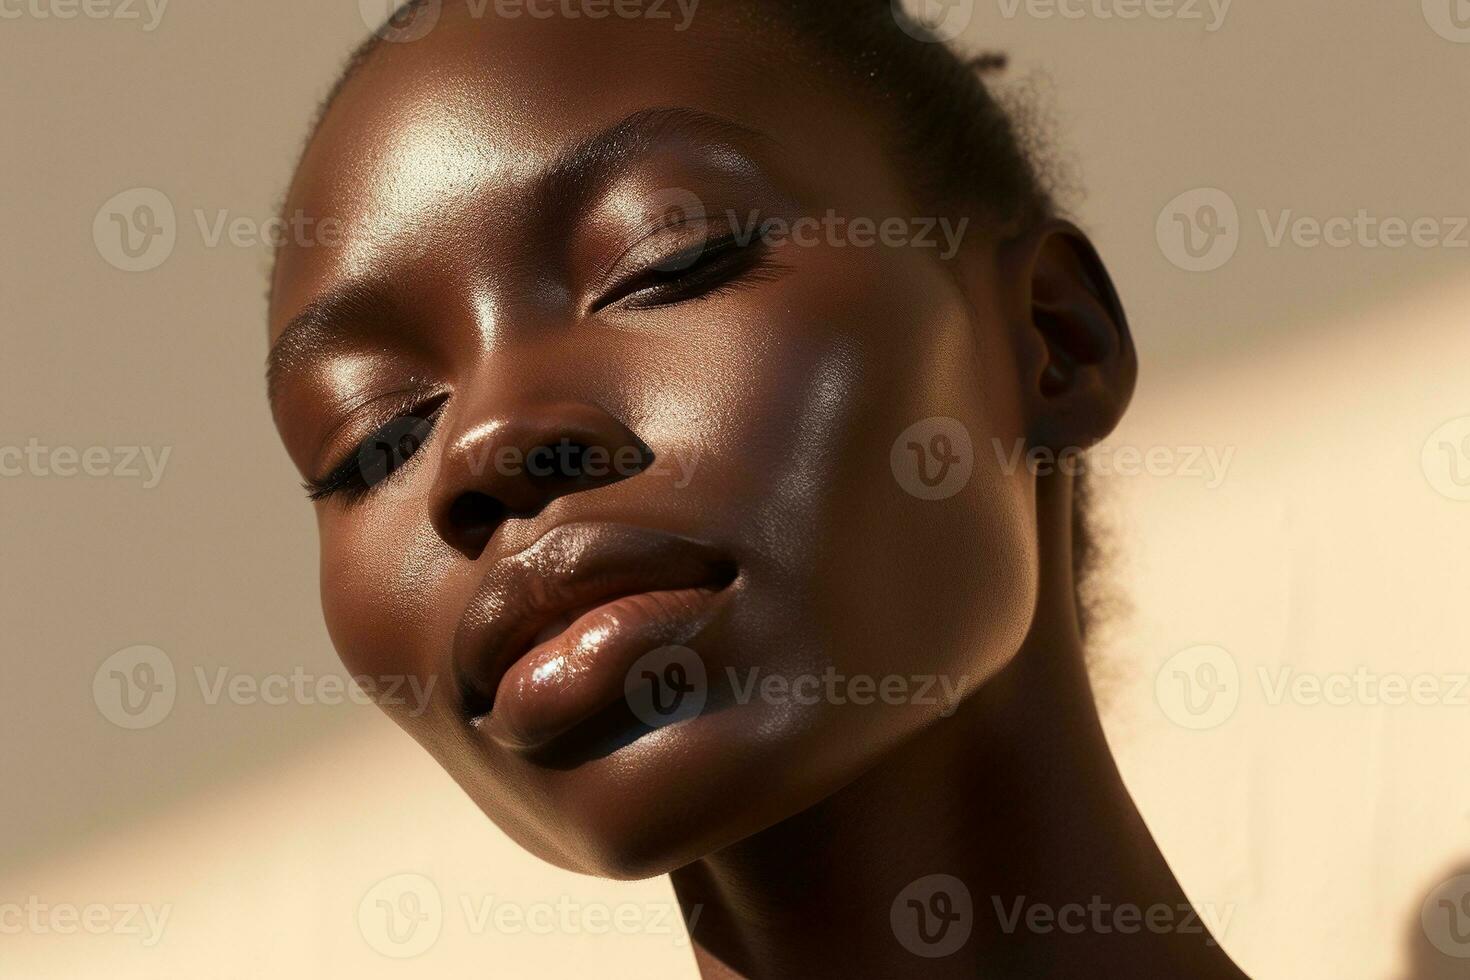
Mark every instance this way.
x=1077 y=357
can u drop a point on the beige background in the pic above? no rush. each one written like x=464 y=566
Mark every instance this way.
x=1330 y=545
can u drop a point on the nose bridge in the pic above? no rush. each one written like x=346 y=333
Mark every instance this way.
x=506 y=402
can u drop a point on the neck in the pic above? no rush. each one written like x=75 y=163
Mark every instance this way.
x=1018 y=797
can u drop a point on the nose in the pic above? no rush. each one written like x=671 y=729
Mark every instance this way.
x=506 y=464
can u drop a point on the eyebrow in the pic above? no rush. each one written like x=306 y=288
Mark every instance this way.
x=331 y=318
x=564 y=186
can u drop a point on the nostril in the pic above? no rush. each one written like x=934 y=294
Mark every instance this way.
x=473 y=517
x=572 y=461
x=561 y=461
x=570 y=464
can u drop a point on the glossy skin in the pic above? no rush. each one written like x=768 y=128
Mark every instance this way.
x=761 y=405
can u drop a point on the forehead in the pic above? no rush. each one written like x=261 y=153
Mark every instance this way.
x=458 y=120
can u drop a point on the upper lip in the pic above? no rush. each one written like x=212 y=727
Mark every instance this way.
x=570 y=568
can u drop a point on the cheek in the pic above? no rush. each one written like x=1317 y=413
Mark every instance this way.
x=950 y=536
x=897 y=545
x=379 y=585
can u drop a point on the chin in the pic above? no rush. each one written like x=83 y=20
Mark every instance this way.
x=673 y=796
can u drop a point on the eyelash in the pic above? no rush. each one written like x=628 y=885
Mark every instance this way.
x=708 y=269
x=352 y=478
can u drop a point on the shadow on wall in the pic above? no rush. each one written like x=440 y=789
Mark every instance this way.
x=1438 y=933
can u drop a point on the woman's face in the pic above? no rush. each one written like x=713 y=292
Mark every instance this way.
x=641 y=519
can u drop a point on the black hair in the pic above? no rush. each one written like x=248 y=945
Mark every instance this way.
x=962 y=145
x=964 y=148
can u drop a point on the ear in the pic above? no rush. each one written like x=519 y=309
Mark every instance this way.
x=1077 y=357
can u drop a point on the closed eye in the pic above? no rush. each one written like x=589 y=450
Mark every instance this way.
x=381 y=455
x=701 y=270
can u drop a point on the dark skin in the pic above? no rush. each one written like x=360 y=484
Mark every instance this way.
x=505 y=188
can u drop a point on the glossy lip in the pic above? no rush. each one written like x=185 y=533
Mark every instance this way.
x=549 y=638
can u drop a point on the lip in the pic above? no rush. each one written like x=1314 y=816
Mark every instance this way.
x=554 y=629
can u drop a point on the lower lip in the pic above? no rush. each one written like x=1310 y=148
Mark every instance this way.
x=572 y=677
